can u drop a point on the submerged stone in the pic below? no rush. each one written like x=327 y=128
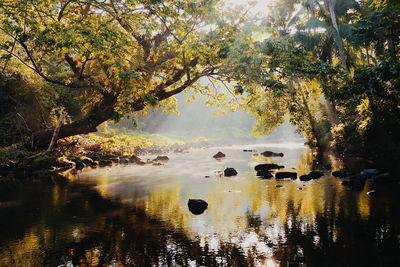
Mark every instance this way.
x=162 y=158
x=230 y=172
x=219 y=155
x=283 y=175
x=79 y=165
x=316 y=174
x=340 y=173
x=305 y=178
x=197 y=206
x=267 y=166
x=104 y=163
x=271 y=154
x=264 y=174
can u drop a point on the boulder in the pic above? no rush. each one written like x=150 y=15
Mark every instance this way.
x=305 y=178
x=79 y=165
x=267 y=167
x=340 y=174
x=316 y=174
x=115 y=160
x=197 y=206
x=161 y=158
x=271 y=154
x=219 y=155
x=124 y=161
x=105 y=162
x=93 y=164
x=136 y=160
x=264 y=174
x=88 y=161
x=230 y=172
x=283 y=175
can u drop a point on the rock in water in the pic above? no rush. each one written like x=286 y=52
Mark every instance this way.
x=271 y=154
x=283 y=175
x=267 y=167
x=161 y=158
x=79 y=165
x=197 y=206
x=264 y=174
x=340 y=174
x=136 y=160
x=219 y=155
x=305 y=178
x=124 y=160
x=315 y=174
x=230 y=172
x=104 y=163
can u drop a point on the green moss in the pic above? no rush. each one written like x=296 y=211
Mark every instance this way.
x=45 y=159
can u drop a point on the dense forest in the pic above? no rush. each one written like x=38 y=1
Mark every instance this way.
x=331 y=67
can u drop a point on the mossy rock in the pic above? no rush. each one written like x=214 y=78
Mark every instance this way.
x=44 y=160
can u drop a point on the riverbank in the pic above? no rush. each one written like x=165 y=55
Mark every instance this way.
x=103 y=149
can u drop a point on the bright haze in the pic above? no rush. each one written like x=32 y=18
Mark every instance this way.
x=257 y=6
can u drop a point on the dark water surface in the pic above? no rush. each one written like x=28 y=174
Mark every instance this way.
x=138 y=216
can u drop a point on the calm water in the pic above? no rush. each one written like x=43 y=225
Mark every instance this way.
x=138 y=216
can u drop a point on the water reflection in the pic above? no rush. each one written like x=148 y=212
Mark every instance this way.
x=138 y=216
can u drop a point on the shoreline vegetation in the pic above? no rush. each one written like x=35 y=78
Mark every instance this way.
x=102 y=149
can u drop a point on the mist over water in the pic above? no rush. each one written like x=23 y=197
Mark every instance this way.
x=196 y=119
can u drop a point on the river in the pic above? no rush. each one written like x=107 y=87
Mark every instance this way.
x=138 y=216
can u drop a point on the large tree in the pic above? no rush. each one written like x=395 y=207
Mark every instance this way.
x=120 y=56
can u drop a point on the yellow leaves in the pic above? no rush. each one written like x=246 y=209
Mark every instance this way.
x=170 y=105
x=42 y=28
x=209 y=103
x=64 y=50
x=190 y=99
x=363 y=106
x=365 y=114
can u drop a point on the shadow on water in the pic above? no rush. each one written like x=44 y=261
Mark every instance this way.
x=139 y=216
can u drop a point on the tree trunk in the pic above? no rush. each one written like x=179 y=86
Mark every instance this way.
x=340 y=45
x=99 y=114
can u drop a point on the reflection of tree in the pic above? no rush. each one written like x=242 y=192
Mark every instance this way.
x=75 y=222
